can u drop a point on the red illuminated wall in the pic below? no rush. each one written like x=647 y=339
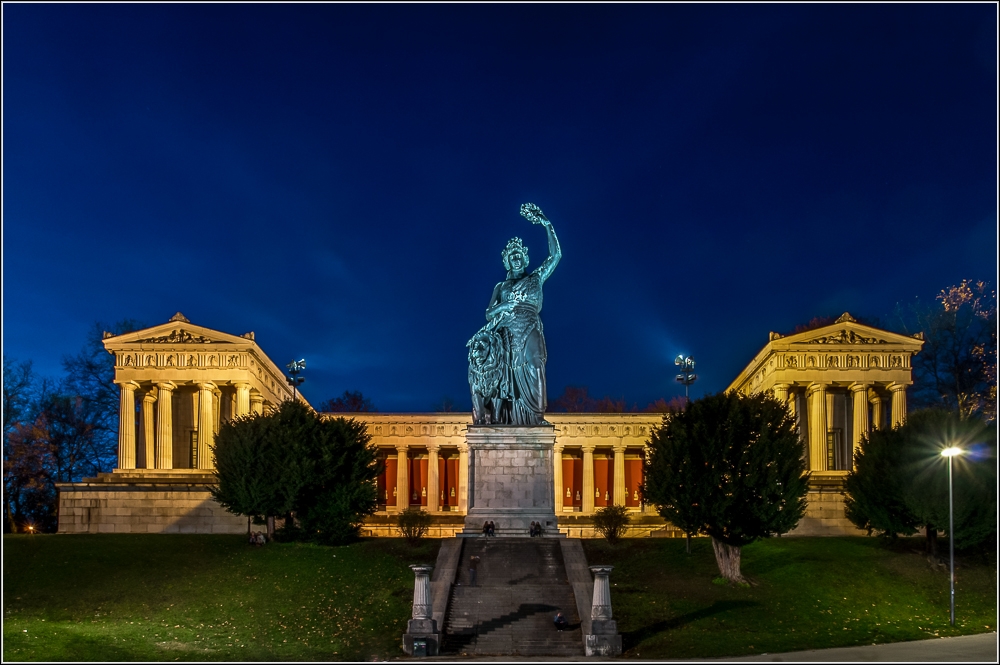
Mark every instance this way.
x=633 y=480
x=389 y=482
x=604 y=480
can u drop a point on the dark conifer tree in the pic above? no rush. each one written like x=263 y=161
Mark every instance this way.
x=730 y=467
x=874 y=500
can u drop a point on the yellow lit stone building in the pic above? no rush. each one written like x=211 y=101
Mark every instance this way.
x=840 y=381
x=178 y=381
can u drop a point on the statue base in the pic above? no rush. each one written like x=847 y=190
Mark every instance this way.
x=421 y=638
x=511 y=480
x=607 y=642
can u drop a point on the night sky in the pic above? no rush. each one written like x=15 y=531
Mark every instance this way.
x=341 y=179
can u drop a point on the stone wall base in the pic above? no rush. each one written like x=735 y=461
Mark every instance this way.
x=106 y=504
x=825 y=516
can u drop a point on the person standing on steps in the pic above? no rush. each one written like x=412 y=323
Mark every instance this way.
x=473 y=568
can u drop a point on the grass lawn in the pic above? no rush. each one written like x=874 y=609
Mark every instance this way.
x=179 y=597
x=809 y=593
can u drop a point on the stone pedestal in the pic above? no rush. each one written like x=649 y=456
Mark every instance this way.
x=603 y=639
x=422 y=628
x=511 y=479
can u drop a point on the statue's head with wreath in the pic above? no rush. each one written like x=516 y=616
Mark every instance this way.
x=515 y=246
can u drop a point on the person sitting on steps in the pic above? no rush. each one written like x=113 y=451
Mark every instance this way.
x=486 y=528
x=493 y=529
x=560 y=622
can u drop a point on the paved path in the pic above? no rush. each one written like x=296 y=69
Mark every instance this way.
x=967 y=649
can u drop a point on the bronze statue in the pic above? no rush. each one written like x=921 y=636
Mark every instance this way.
x=507 y=356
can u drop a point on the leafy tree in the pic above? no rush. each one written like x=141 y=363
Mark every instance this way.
x=292 y=460
x=90 y=376
x=663 y=406
x=349 y=402
x=413 y=523
x=612 y=522
x=874 y=488
x=957 y=367
x=731 y=467
x=576 y=400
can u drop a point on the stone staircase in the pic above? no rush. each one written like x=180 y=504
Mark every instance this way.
x=521 y=585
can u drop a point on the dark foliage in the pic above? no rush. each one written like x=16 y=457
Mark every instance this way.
x=294 y=461
x=349 y=402
x=612 y=522
x=413 y=523
x=874 y=488
x=730 y=467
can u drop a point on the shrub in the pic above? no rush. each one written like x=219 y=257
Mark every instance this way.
x=413 y=523
x=611 y=522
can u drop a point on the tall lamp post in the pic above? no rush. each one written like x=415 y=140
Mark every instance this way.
x=295 y=380
x=950 y=453
x=687 y=375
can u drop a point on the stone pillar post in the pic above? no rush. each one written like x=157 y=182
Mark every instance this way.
x=433 y=479
x=816 y=394
x=206 y=424
x=876 y=401
x=463 y=478
x=126 y=425
x=165 y=425
x=781 y=392
x=421 y=626
x=557 y=477
x=859 y=399
x=898 y=393
x=588 y=479
x=149 y=429
x=402 y=478
x=604 y=639
x=242 y=399
x=619 y=498
x=256 y=403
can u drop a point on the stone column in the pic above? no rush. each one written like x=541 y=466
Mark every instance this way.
x=876 y=402
x=603 y=639
x=256 y=403
x=165 y=425
x=402 y=478
x=816 y=394
x=242 y=399
x=859 y=399
x=433 y=479
x=206 y=424
x=126 y=425
x=898 y=393
x=421 y=626
x=557 y=477
x=149 y=428
x=588 y=479
x=619 y=498
x=463 y=478
x=781 y=392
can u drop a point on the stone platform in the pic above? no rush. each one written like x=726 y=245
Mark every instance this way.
x=511 y=479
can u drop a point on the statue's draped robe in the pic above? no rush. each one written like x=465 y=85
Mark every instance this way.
x=521 y=397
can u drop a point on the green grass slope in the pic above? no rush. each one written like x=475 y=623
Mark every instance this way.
x=808 y=593
x=179 y=597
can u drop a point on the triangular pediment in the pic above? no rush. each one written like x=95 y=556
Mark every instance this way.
x=176 y=331
x=847 y=332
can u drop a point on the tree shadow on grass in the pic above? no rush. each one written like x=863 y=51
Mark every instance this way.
x=633 y=638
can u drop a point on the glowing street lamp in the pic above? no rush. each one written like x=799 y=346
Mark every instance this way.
x=295 y=380
x=687 y=375
x=950 y=453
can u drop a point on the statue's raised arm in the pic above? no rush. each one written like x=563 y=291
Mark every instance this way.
x=534 y=214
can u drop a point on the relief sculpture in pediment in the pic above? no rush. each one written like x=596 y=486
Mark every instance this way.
x=177 y=336
x=846 y=337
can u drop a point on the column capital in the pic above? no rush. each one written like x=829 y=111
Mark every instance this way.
x=873 y=396
x=858 y=387
x=433 y=447
x=589 y=448
x=619 y=448
x=150 y=396
x=781 y=386
x=558 y=447
x=206 y=385
x=128 y=385
x=241 y=384
x=165 y=385
x=816 y=386
x=402 y=447
x=896 y=386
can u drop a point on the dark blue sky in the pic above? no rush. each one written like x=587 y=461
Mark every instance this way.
x=341 y=179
